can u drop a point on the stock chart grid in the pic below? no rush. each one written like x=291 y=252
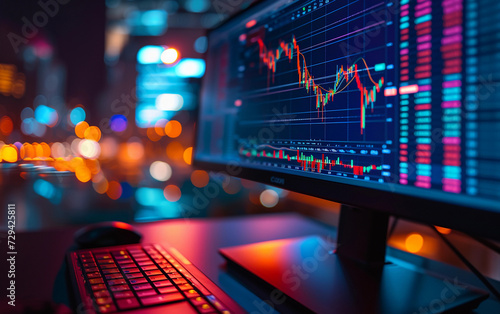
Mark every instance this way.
x=401 y=92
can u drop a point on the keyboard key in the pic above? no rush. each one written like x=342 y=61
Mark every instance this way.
x=108 y=308
x=101 y=294
x=142 y=259
x=137 y=281
x=96 y=281
x=146 y=263
x=123 y=294
x=108 y=266
x=94 y=275
x=102 y=301
x=192 y=293
x=86 y=265
x=153 y=272
x=116 y=282
x=150 y=267
x=126 y=304
x=91 y=269
x=147 y=293
x=205 y=308
x=131 y=270
x=143 y=286
x=102 y=256
x=185 y=287
x=135 y=275
x=105 y=261
x=113 y=276
x=127 y=265
x=119 y=288
x=98 y=287
x=163 y=298
x=110 y=271
x=167 y=289
x=174 y=276
x=179 y=281
x=162 y=283
x=157 y=278
x=198 y=301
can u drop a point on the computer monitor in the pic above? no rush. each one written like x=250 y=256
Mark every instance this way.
x=389 y=106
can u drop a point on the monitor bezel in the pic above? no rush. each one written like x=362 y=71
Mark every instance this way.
x=479 y=222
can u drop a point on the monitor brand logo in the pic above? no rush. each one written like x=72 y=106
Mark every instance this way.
x=276 y=180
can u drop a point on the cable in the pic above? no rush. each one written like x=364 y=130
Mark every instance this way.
x=464 y=260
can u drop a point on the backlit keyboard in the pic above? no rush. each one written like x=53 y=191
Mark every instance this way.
x=139 y=276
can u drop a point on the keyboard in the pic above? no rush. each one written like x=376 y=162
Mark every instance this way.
x=140 y=278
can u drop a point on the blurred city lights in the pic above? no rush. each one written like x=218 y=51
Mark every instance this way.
x=149 y=196
x=6 y=125
x=160 y=171
x=153 y=135
x=150 y=54
x=114 y=190
x=89 y=149
x=80 y=129
x=172 y=193
x=197 y=6
x=109 y=148
x=44 y=189
x=92 y=133
x=443 y=230
x=190 y=68
x=160 y=127
x=173 y=128
x=9 y=153
x=169 y=102
x=58 y=150
x=118 y=123
x=200 y=178
x=46 y=115
x=100 y=185
x=83 y=173
x=188 y=155
x=135 y=150
x=77 y=115
x=251 y=23
x=27 y=113
x=201 y=44
x=269 y=198
x=414 y=242
x=169 y=56
x=175 y=151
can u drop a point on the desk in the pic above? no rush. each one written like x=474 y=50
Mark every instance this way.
x=41 y=254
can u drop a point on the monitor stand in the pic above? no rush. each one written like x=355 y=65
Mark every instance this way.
x=313 y=274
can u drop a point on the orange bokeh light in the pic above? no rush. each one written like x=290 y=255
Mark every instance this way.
x=173 y=128
x=188 y=155
x=175 y=151
x=80 y=129
x=114 y=190
x=200 y=178
x=172 y=193
x=6 y=125
x=414 y=242
x=92 y=133
x=9 y=153
x=153 y=134
x=83 y=173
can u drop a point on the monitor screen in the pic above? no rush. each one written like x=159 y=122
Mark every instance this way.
x=396 y=96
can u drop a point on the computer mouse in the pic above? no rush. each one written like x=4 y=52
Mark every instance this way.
x=107 y=234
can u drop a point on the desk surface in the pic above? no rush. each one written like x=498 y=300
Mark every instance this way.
x=41 y=254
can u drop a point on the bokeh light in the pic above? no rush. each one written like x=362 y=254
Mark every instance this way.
x=77 y=115
x=83 y=173
x=160 y=171
x=135 y=150
x=89 y=149
x=173 y=129
x=114 y=190
x=6 y=125
x=9 y=153
x=414 y=242
x=269 y=198
x=169 y=56
x=172 y=193
x=443 y=230
x=200 y=178
x=118 y=123
x=188 y=155
x=175 y=151
x=80 y=129
x=92 y=133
